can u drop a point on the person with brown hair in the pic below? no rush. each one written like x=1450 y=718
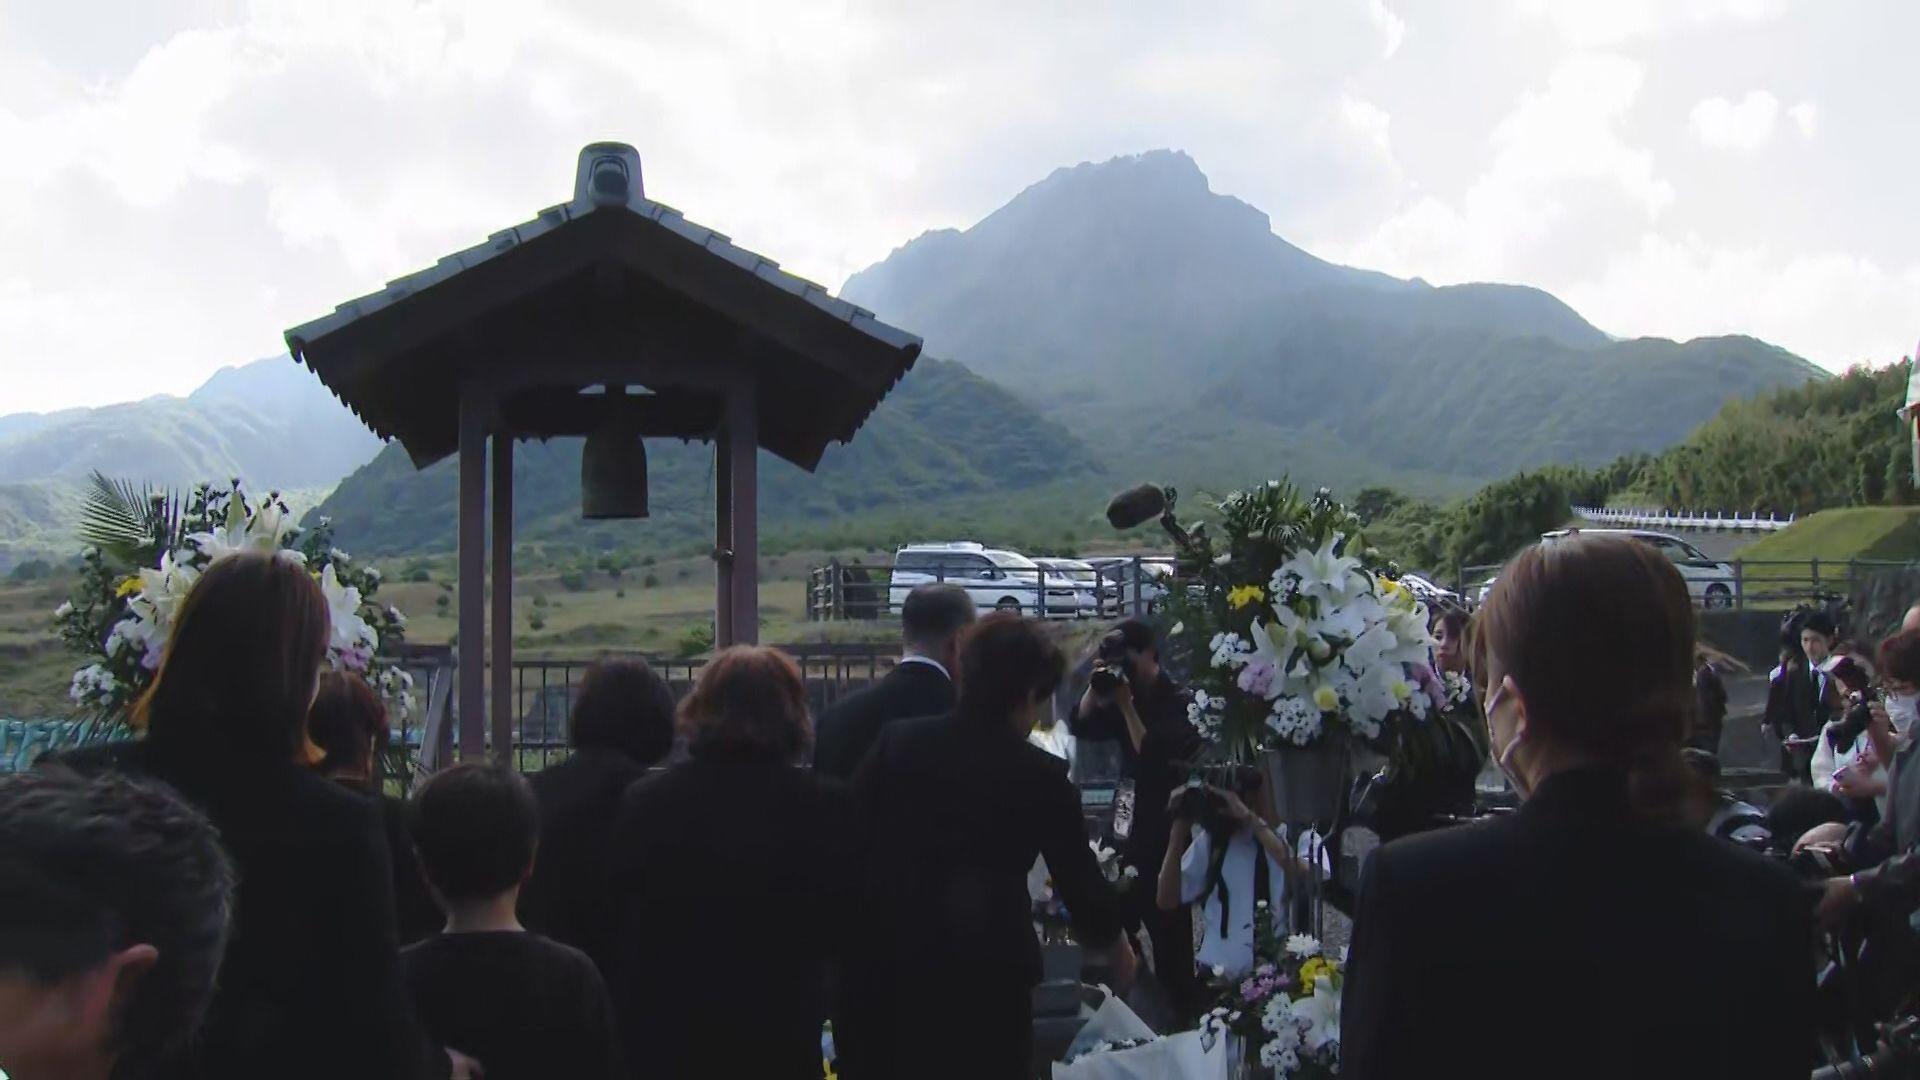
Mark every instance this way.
x=620 y=726
x=348 y=723
x=313 y=946
x=729 y=875
x=954 y=810
x=1590 y=933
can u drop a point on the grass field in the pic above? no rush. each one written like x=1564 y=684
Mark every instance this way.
x=1877 y=532
x=563 y=608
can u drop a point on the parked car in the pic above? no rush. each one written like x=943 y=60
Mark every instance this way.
x=1073 y=588
x=1709 y=581
x=1116 y=573
x=997 y=580
x=1430 y=594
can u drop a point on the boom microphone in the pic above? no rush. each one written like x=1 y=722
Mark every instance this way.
x=1136 y=506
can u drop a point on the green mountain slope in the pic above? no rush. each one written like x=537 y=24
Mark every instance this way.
x=945 y=438
x=1170 y=324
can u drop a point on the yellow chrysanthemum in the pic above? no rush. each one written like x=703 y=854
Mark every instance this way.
x=1325 y=699
x=1245 y=594
x=1313 y=971
x=128 y=585
x=1388 y=586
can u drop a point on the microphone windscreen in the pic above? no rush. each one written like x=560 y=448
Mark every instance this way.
x=1136 y=506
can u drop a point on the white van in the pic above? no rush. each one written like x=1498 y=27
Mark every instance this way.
x=997 y=580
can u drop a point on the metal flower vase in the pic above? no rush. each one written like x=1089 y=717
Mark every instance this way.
x=1309 y=782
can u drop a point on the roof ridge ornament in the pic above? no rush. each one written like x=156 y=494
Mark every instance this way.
x=608 y=175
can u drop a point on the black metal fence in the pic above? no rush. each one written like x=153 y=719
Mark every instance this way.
x=545 y=691
x=1107 y=588
x=1744 y=583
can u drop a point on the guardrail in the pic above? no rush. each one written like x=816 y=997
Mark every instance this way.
x=1129 y=586
x=1761 y=583
x=1695 y=520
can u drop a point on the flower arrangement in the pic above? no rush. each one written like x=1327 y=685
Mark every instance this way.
x=1298 y=628
x=1286 y=1011
x=147 y=550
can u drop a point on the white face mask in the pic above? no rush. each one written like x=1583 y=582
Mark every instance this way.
x=1903 y=710
x=1504 y=760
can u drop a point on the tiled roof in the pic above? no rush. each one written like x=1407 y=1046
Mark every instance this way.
x=866 y=363
x=553 y=217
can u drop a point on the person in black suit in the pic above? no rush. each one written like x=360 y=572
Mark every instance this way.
x=920 y=685
x=621 y=726
x=731 y=876
x=1146 y=715
x=311 y=985
x=954 y=810
x=349 y=725
x=1589 y=934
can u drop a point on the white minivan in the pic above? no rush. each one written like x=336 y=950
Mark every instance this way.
x=997 y=580
x=1710 y=581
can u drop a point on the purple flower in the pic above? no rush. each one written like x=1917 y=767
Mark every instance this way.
x=1257 y=677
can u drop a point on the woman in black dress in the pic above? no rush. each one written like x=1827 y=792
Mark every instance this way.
x=1589 y=933
x=311 y=986
x=730 y=873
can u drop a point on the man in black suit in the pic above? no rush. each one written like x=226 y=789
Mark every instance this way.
x=954 y=810
x=920 y=685
x=1145 y=713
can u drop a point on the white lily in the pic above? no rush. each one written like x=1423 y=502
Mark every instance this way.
x=353 y=640
x=1325 y=574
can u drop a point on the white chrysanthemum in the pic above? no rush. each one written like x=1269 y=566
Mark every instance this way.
x=1302 y=946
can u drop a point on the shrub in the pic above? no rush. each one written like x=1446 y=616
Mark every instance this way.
x=573 y=581
x=619 y=594
x=419 y=575
x=540 y=601
x=442 y=601
x=652 y=581
x=537 y=623
x=32 y=570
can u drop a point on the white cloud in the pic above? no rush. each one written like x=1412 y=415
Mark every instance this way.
x=1557 y=154
x=1833 y=308
x=1604 y=23
x=1743 y=125
x=1805 y=116
x=1369 y=121
x=1393 y=28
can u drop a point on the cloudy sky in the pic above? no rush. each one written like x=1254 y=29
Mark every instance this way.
x=180 y=181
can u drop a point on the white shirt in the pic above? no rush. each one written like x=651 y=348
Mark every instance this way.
x=1234 y=952
x=915 y=658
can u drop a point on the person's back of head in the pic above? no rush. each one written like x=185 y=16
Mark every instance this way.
x=348 y=722
x=115 y=900
x=1798 y=810
x=749 y=702
x=241 y=662
x=624 y=705
x=475 y=828
x=1009 y=669
x=932 y=618
x=1593 y=638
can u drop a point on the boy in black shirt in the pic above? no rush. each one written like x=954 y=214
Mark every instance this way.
x=522 y=1005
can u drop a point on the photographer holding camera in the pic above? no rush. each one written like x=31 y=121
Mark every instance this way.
x=1227 y=857
x=1131 y=700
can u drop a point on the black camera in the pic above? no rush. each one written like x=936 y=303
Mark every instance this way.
x=1111 y=664
x=1199 y=802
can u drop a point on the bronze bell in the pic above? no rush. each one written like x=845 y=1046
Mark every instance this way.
x=613 y=473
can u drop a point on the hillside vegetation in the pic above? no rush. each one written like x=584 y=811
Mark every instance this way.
x=1170 y=328
x=1866 y=532
x=1832 y=445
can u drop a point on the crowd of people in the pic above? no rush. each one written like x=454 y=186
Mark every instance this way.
x=701 y=885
